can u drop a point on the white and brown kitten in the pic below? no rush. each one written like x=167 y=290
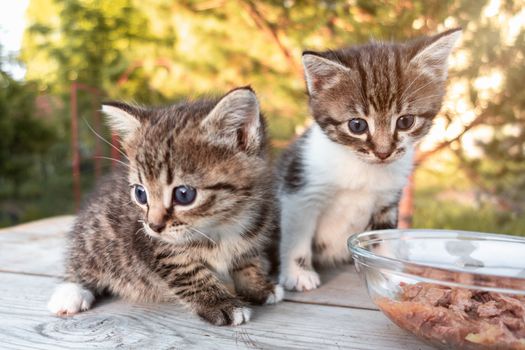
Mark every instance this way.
x=371 y=105
x=189 y=214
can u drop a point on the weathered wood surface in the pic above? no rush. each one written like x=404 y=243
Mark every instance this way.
x=36 y=247
x=341 y=287
x=337 y=315
x=44 y=242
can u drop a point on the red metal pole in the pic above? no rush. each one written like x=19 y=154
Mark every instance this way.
x=96 y=122
x=75 y=152
x=406 y=207
x=115 y=154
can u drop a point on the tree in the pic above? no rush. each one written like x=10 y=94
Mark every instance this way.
x=490 y=99
x=89 y=42
x=161 y=50
x=24 y=136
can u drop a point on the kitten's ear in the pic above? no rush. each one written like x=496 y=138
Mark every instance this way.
x=432 y=53
x=236 y=120
x=321 y=73
x=123 y=119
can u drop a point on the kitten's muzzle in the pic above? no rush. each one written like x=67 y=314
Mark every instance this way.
x=157 y=227
x=383 y=155
x=157 y=218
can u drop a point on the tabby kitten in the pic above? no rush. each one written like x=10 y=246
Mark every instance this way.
x=371 y=105
x=190 y=214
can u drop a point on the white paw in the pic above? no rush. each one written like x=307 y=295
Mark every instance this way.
x=241 y=315
x=300 y=280
x=276 y=296
x=70 y=298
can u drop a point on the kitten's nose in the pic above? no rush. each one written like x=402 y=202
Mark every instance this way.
x=157 y=227
x=157 y=217
x=383 y=155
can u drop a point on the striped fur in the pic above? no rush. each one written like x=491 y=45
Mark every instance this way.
x=334 y=182
x=217 y=146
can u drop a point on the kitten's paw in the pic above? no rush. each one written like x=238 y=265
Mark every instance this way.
x=276 y=296
x=241 y=315
x=300 y=280
x=70 y=298
x=229 y=314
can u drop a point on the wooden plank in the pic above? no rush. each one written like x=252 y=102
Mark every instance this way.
x=35 y=248
x=43 y=242
x=26 y=324
x=339 y=287
x=43 y=227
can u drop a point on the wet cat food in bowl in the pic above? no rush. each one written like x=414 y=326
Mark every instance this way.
x=454 y=289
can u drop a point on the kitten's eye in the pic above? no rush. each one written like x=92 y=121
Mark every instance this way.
x=357 y=125
x=184 y=195
x=405 y=122
x=140 y=195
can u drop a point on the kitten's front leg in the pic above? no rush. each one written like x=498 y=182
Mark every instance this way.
x=196 y=286
x=348 y=212
x=75 y=294
x=70 y=298
x=385 y=218
x=253 y=284
x=298 y=224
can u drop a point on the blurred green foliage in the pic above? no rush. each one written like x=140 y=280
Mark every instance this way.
x=24 y=141
x=25 y=138
x=452 y=202
x=157 y=51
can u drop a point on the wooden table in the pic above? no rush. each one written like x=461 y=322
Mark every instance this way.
x=337 y=315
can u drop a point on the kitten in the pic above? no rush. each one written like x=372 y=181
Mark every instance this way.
x=190 y=214
x=371 y=105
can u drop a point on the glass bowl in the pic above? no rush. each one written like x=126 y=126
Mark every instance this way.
x=453 y=289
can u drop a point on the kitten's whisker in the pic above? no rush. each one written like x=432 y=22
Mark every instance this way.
x=202 y=233
x=411 y=83
x=103 y=139
x=205 y=235
x=238 y=222
x=420 y=88
x=113 y=159
x=259 y=200
x=423 y=98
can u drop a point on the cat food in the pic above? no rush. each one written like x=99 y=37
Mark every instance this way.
x=459 y=318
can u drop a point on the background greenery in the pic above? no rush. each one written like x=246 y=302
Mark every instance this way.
x=471 y=172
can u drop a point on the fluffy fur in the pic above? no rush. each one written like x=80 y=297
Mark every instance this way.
x=163 y=250
x=335 y=181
